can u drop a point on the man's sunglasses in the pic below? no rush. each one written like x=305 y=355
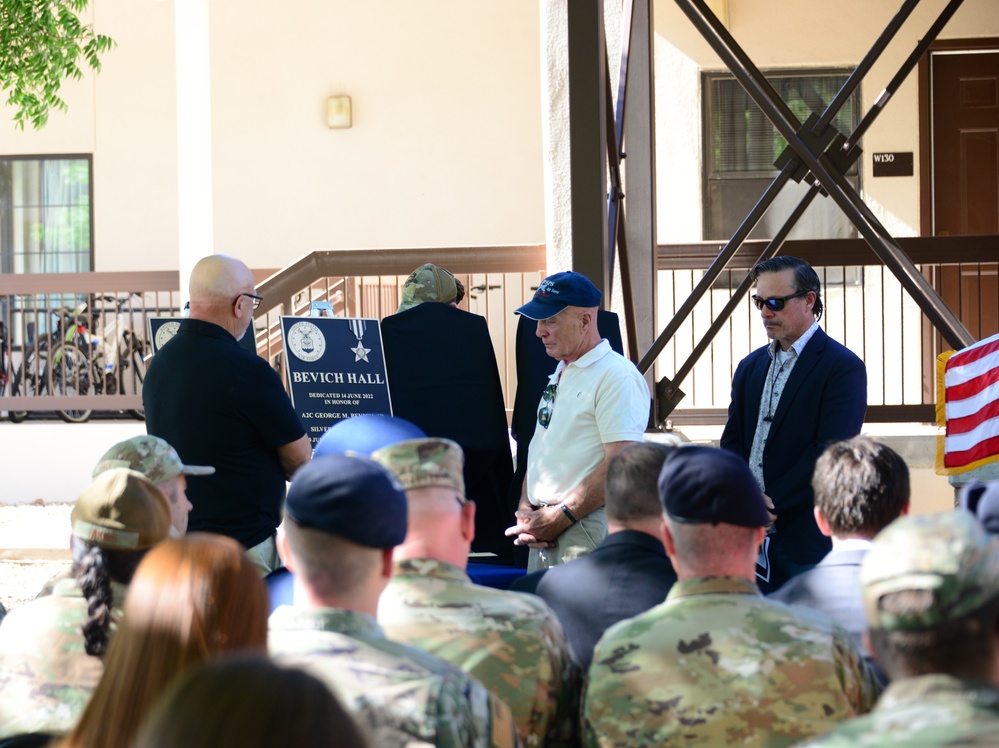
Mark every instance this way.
x=776 y=304
x=547 y=405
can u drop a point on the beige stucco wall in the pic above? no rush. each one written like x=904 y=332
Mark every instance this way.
x=445 y=147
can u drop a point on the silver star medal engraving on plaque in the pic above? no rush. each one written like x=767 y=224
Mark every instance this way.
x=360 y=353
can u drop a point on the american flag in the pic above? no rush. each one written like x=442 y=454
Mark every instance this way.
x=969 y=406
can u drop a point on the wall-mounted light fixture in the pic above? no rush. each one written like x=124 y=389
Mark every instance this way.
x=338 y=112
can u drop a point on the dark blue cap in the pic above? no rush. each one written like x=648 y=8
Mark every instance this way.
x=704 y=484
x=559 y=291
x=982 y=500
x=365 y=434
x=350 y=496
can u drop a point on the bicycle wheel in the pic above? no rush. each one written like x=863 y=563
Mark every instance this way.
x=132 y=375
x=71 y=376
x=29 y=379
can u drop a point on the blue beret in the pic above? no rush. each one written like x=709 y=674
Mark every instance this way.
x=366 y=434
x=353 y=497
x=704 y=484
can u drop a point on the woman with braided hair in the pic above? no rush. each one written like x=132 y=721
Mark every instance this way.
x=51 y=649
x=193 y=600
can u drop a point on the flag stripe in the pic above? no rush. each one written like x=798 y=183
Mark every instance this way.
x=980 y=451
x=974 y=352
x=966 y=372
x=973 y=386
x=965 y=441
x=971 y=422
x=971 y=405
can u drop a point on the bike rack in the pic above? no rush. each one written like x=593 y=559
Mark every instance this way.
x=816 y=153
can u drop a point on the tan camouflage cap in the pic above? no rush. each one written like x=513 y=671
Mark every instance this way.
x=121 y=510
x=949 y=553
x=428 y=283
x=419 y=463
x=151 y=456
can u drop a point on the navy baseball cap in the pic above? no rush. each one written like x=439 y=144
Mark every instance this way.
x=350 y=496
x=705 y=484
x=362 y=435
x=559 y=291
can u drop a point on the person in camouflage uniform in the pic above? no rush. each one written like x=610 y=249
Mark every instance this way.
x=343 y=516
x=430 y=283
x=931 y=593
x=511 y=642
x=160 y=463
x=718 y=664
x=50 y=648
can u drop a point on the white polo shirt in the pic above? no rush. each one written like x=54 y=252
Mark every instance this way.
x=601 y=398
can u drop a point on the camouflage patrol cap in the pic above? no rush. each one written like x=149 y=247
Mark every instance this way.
x=121 y=510
x=350 y=496
x=428 y=283
x=151 y=456
x=420 y=463
x=949 y=554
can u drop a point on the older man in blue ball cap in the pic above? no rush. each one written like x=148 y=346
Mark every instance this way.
x=595 y=404
x=717 y=662
x=343 y=517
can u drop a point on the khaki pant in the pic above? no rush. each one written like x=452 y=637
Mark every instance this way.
x=265 y=556
x=578 y=540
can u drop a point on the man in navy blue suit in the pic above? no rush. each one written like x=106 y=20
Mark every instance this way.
x=629 y=571
x=790 y=399
x=861 y=487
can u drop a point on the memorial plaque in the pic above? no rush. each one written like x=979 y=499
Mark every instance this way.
x=336 y=370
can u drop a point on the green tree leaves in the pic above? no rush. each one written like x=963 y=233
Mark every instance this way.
x=42 y=43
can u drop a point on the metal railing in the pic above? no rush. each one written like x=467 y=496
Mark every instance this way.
x=75 y=342
x=865 y=308
x=368 y=284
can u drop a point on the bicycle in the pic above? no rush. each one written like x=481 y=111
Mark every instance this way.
x=55 y=363
x=118 y=360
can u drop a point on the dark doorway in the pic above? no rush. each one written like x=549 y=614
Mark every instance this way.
x=960 y=163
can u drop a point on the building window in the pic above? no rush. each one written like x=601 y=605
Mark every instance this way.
x=46 y=219
x=741 y=146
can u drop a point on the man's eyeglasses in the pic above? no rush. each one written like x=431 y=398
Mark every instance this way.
x=777 y=303
x=547 y=405
x=256 y=299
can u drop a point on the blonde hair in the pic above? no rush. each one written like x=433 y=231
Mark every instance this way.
x=191 y=600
